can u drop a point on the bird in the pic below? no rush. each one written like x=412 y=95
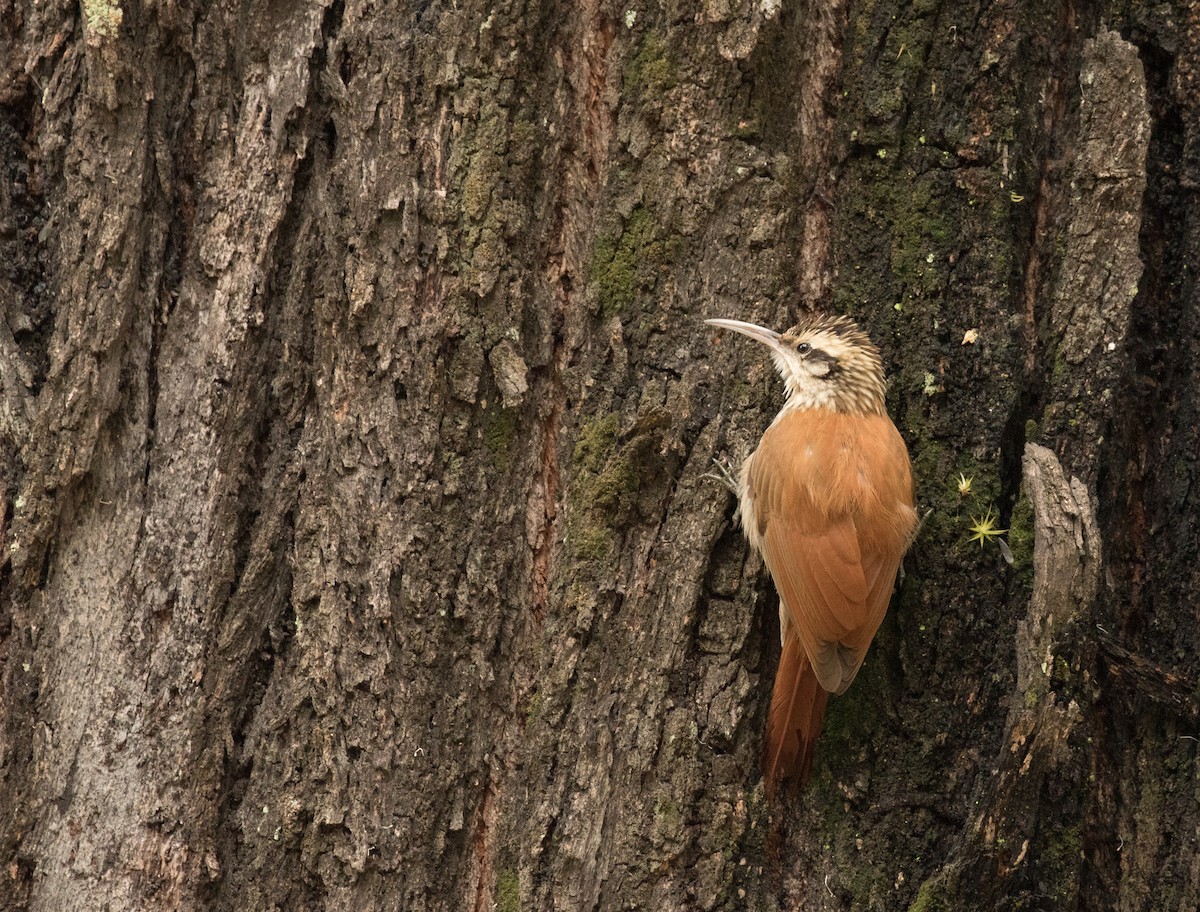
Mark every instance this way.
x=827 y=499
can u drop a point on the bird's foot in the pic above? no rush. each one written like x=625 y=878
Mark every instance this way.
x=916 y=533
x=911 y=541
x=723 y=472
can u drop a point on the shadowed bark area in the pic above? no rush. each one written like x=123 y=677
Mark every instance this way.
x=356 y=406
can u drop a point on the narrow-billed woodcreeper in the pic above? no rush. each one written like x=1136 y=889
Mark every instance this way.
x=827 y=499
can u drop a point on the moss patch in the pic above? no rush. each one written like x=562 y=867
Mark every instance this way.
x=595 y=442
x=625 y=263
x=508 y=892
x=499 y=433
x=618 y=479
x=1020 y=535
x=1060 y=863
x=934 y=896
x=605 y=487
x=649 y=73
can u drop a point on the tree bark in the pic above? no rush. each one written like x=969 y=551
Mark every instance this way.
x=356 y=408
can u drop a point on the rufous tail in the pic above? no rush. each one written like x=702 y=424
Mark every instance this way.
x=797 y=711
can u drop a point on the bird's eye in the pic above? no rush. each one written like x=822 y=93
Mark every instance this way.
x=803 y=348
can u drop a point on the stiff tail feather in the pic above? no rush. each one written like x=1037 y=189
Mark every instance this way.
x=794 y=722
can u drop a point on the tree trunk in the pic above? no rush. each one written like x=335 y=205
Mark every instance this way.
x=356 y=406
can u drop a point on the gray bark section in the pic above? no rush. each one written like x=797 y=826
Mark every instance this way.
x=355 y=407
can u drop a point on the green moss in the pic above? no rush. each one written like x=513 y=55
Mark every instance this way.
x=452 y=471
x=508 y=892
x=889 y=61
x=1020 y=535
x=985 y=481
x=614 y=273
x=908 y=207
x=1059 y=369
x=499 y=434
x=931 y=465
x=852 y=722
x=928 y=463
x=587 y=540
x=912 y=219
x=1059 y=863
x=922 y=231
x=952 y=510
x=936 y=470
x=616 y=486
x=866 y=881
x=625 y=263
x=613 y=475
x=934 y=896
x=649 y=73
x=604 y=490
x=848 y=720
x=595 y=442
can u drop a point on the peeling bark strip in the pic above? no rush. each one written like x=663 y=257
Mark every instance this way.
x=1099 y=268
x=1067 y=555
x=355 y=407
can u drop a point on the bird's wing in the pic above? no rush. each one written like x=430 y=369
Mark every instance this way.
x=819 y=575
x=835 y=593
x=821 y=581
x=881 y=572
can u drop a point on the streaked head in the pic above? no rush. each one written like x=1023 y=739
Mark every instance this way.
x=825 y=362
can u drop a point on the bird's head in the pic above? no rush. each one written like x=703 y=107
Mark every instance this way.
x=825 y=362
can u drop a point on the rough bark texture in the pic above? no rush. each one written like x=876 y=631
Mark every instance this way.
x=355 y=407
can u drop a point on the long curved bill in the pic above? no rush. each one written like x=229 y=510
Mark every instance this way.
x=767 y=337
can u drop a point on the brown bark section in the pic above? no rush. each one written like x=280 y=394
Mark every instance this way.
x=355 y=408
